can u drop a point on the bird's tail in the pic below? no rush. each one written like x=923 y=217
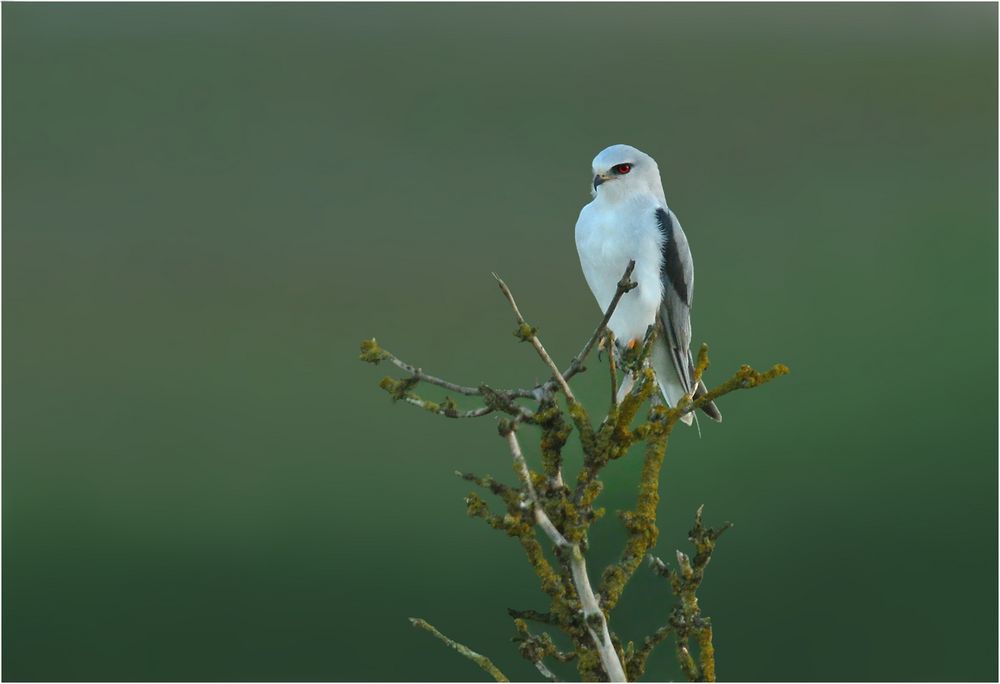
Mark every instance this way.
x=667 y=378
x=671 y=385
x=710 y=408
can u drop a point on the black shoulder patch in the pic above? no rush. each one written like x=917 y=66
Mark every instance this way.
x=671 y=269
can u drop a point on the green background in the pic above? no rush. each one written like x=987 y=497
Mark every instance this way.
x=206 y=207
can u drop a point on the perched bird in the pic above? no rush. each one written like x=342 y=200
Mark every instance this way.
x=629 y=219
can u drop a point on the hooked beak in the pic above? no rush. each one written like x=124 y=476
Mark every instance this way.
x=599 y=179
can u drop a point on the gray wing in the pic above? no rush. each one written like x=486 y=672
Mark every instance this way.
x=677 y=274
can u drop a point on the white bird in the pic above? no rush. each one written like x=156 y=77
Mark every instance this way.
x=629 y=219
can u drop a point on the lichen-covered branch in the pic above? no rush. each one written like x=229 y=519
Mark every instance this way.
x=593 y=616
x=479 y=659
x=686 y=620
x=540 y=508
x=536 y=648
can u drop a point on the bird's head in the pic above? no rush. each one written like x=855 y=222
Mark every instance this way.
x=622 y=171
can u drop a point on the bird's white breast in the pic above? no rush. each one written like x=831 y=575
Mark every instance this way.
x=608 y=235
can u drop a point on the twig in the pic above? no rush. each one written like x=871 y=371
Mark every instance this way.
x=536 y=648
x=479 y=659
x=625 y=285
x=373 y=353
x=529 y=334
x=445 y=411
x=637 y=663
x=745 y=378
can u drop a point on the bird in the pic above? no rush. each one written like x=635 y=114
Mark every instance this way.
x=628 y=219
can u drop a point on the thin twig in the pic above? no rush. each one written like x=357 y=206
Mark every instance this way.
x=637 y=663
x=535 y=649
x=434 y=407
x=479 y=659
x=528 y=333
x=373 y=353
x=625 y=285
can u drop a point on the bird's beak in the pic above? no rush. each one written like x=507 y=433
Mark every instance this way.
x=598 y=179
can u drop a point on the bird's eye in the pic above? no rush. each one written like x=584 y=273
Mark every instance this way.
x=622 y=169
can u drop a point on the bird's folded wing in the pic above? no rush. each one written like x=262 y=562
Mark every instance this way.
x=677 y=273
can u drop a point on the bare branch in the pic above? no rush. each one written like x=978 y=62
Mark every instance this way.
x=446 y=411
x=529 y=334
x=625 y=285
x=373 y=353
x=479 y=659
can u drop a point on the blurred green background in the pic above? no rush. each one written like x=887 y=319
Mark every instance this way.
x=206 y=207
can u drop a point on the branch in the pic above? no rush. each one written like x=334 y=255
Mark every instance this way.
x=535 y=649
x=480 y=660
x=373 y=353
x=597 y=624
x=448 y=411
x=576 y=365
x=686 y=619
x=745 y=378
x=637 y=663
x=529 y=334
x=541 y=517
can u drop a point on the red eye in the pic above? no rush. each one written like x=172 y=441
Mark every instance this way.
x=622 y=169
